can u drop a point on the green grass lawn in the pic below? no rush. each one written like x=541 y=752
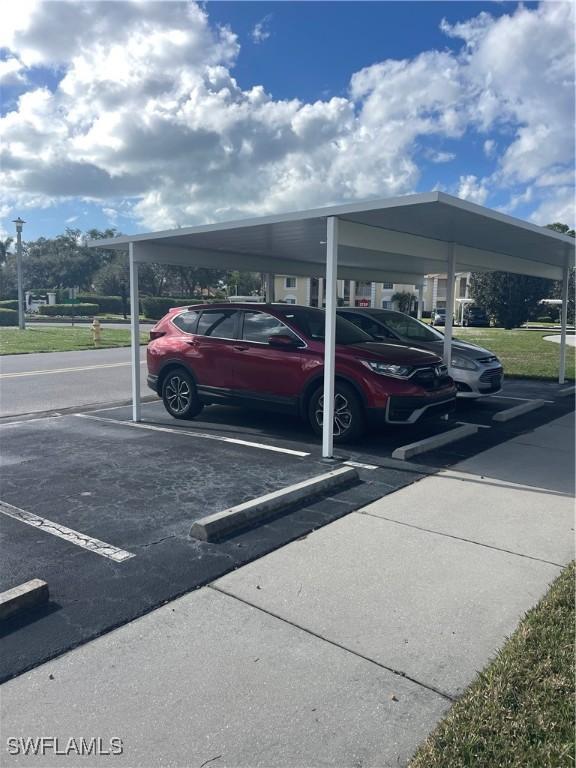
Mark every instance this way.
x=523 y=353
x=13 y=341
x=519 y=713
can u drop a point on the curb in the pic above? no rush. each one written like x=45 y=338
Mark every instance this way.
x=518 y=410
x=214 y=527
x=429 y=443
x=26 y=596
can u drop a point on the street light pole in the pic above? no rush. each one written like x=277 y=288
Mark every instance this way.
x=21 y=321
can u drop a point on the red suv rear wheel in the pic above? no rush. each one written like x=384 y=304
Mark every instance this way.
x=180 y=396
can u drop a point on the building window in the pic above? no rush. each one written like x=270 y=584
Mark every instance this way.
x=289 y=300
x=387 y=305
x=290 y=282
x=387 y=286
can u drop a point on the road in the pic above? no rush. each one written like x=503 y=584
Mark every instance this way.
x=53 y=381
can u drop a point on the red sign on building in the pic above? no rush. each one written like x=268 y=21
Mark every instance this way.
x=363 y=303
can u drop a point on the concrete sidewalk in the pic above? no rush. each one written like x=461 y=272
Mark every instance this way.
x=340 y=649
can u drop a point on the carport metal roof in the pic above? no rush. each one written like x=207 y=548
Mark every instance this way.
x=406 y=237
x=399 y=239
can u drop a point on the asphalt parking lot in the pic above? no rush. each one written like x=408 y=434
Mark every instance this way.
x=135 y=490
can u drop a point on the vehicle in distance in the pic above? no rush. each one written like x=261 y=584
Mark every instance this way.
x=475 y=370
x=475 y=317
x=438 y=317
x=272 y=356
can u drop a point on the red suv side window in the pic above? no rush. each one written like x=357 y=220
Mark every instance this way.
x=218 y=323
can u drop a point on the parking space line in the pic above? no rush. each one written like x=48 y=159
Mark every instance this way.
x=68 y=534
x=202 y=435
x=358 y=465
x=524 y=399
x=471 y=423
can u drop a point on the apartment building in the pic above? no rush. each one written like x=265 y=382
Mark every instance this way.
x=310 y=291
x=435 y=289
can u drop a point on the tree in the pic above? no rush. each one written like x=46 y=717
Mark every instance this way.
x=8 y=280
x=404 y=301
x=556 y=293
x=508 y=298
x=244 y=283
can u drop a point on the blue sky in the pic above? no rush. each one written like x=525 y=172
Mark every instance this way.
x=171 y=113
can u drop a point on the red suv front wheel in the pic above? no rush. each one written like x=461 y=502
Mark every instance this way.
x=349 y=422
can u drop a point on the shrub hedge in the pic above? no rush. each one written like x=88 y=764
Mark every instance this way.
x=107 y=305
x=68 y=310
x=8 y=316
x=155 y=307
x=9 y=304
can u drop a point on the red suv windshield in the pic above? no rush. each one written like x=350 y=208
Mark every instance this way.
x=311 y=323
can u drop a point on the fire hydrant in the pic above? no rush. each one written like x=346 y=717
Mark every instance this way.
x=96 y=331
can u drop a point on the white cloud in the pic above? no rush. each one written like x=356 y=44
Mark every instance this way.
x=473 y=189
x=148 y=118
x=12 y=72
x=261 y=30
x=440 y=157
x=489 y=147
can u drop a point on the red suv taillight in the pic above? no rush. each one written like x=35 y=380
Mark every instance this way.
x=156 y=334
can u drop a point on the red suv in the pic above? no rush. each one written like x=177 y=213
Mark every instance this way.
x=272 y=356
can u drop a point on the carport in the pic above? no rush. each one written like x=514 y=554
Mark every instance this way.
x=399 y=239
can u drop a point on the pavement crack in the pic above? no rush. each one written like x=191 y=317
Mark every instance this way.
x=211 y=760
x=461 y=538
x=398 y=672
x=158 y=541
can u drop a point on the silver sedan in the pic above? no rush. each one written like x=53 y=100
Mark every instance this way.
x=475 y=370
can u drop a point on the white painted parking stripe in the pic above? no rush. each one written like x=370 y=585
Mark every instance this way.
x=202 y=435
x=568 y=391
x=358 y=465
x=523 y=399
x=77 y=369
x=68 y=534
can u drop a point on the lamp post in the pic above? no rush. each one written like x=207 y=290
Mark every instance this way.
x=21 y=322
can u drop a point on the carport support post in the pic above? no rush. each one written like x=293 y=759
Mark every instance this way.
x=450 y=278
x=135 y=333
x=564 y=322
x=330 y=337
x=420 y=301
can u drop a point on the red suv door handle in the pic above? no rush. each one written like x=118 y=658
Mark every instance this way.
x=241 y=349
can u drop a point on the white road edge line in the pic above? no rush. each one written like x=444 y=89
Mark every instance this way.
x=47 y=371
x=68 y=534
x=30 y=421
x=203 y=435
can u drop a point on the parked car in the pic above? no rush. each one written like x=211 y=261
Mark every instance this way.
x=272 y=356
x=475 y=317
x=439 y=317
x=475 y=370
